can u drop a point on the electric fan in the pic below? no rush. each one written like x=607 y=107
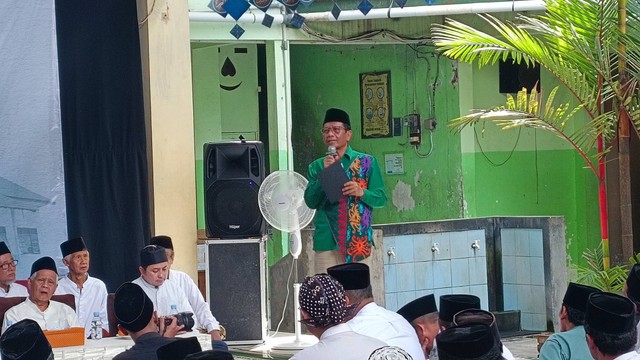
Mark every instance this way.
x=281 y=201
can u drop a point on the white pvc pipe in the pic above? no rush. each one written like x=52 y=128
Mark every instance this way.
x=392 y=13
x=250 y=17
x=430 y=10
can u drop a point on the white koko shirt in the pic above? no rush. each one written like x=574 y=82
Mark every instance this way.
x=165 y=295
x=201 y=308
x=388 y=326
x=15 y=290
x=340 y=342
x=91 y=298
x=57 y=316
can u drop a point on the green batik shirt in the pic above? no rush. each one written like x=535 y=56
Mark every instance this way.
x=326 y=219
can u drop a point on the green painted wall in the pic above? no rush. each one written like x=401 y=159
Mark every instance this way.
x=541 y=175
x=328 y=76
x=525 y=171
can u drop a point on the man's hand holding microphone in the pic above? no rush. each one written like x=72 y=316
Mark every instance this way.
x=350 y=188
x=332 y=156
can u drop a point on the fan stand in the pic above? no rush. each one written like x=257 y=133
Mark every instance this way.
x=297 y=341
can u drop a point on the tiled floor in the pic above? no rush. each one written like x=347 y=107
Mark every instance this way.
x=522 y=347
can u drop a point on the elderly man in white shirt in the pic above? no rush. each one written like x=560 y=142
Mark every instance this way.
x=371 y=319
x=90 y=293
x=8 y=287
x=49 y=314
x=189 y=288
x=323 y=307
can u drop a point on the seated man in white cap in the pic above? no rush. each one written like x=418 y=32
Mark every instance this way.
x=422 y=313
x=569 y=343
x=190 y=289
x=135 y=314
x=8 y=287
x=167 y=297
x=474 y=341
x=90 y=293
x=49 y=314
x=371 y=319
x=610 y=325
x=323 y=307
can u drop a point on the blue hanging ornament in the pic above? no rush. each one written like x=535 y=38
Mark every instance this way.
x=217 y=6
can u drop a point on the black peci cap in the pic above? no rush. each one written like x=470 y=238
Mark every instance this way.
x=338 y=115
x=418 y=307
x=162 y=240
x=610 y=313
x=72 y=245
x=44 y=263
x=452 y=304
x=132 y=307
x=352 y=276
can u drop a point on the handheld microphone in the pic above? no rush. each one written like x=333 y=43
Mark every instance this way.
x=331 y=150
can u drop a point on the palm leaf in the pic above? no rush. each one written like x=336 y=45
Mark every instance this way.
x=594 y=274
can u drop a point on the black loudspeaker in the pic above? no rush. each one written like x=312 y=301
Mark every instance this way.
x=233 y=172
x=514 y=77
x=236 y=273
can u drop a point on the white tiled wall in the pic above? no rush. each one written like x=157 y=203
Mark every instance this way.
x=523 y=276
x=416 y=270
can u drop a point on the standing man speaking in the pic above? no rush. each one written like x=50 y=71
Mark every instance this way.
x=343 y=228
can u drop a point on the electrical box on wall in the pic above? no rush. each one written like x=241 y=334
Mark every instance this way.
x=413 y=123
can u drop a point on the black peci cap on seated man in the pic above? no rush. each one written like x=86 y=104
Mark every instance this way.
x=134 y=311
x=610 y=324
x=473 y=341
x=25 y=340
x=49 y=314
x=422 y=314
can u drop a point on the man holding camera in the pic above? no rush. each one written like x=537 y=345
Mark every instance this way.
x=166 y=296
x=190 y=289
x=135 y=314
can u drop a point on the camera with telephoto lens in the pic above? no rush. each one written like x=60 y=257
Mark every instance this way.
x=182 y=318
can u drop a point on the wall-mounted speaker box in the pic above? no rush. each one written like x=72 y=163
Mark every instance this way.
x=236 y=276
x=513 y=77
x=233 y=172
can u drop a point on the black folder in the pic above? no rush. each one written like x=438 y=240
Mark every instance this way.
x=332 y=179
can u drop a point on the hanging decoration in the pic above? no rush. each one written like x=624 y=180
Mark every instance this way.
x=335 y=11
x=297 y=20
x=237 y=31
x=217 y=6
x=267 y=20
x=290 y=4
x=261 y=4
x=401 y=3
x=365 y=6
x=236 y=8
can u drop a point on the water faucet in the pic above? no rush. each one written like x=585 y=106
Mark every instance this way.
x=391 y=253
x=475 y=245
x=434 y=248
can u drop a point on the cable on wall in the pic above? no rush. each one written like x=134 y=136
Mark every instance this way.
x=475 y=132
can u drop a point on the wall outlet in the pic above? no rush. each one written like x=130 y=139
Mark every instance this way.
x=430 y=124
